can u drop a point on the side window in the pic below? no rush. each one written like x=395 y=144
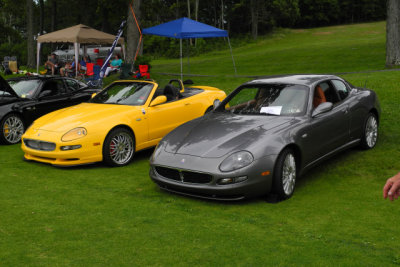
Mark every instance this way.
x=329 y=92
x=52 y=88
x=71 y=85
x=341 y=89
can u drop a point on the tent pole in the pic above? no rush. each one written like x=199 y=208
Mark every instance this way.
x=188 y=54
x=76 y=46
x=38 y=57
x=233 y=60
x=181 y=59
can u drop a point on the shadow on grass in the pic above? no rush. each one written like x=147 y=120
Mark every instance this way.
x=139 y=156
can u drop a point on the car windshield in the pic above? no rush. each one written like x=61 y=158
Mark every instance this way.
x=25 y=88
x=268 y=99
x=124 y=93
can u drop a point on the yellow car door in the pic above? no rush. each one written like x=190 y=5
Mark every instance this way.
x=165 y=117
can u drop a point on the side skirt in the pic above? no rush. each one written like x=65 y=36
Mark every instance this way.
x=330 y=154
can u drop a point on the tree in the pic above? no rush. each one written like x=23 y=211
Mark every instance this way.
x=29 y=37
x=254 y=18
x=132 y=32
x=41 y=17
x=393 y=33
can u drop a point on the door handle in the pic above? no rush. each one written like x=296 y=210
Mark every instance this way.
x=187 y=104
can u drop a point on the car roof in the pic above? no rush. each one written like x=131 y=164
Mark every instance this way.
x=303 y=79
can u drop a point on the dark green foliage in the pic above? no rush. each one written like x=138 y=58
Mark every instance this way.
x=330 y=12
x=232 y=15
x=142 y=60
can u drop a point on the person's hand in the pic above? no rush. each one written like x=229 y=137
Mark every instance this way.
x=392 y=187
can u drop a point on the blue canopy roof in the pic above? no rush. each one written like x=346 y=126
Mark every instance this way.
x=185 y=28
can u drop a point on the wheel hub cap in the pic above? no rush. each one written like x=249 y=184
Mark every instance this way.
x=371 y=131
x=121 y=148
x=289 y=174
x=13 y=129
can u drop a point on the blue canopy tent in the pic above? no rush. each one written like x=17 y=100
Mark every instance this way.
x=185 y=28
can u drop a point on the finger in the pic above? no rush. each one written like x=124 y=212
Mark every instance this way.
x=386 y=188
x=394 y=189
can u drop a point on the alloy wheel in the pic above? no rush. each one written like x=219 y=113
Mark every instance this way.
x=13 y=128
x=121 y=148
x=289 y=174
x=371 y=131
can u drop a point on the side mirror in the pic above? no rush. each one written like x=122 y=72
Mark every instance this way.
x=158 y=100
x=44 y=93
x=322 y=108
x=216 y=103
x=93 y=95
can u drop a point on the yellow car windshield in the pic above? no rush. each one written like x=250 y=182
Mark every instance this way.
x=124 y=93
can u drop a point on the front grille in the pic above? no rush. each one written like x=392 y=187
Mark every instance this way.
x=39 y=145
x=184 y=176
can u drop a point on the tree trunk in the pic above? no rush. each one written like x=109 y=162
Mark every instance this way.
x=222 y=14
x=105 y=23
x=30 y=40
x=196 y=9
x=132 y=32
x=196 y=14
x=188 y=6
x=254 y=19
x=177 y=9
x=53 y=25
x=393 y=33
x=41 y=19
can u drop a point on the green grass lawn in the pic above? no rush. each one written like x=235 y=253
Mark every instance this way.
x=95 y=215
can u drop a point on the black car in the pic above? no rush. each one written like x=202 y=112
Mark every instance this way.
x=24 y=99
x=264 y=135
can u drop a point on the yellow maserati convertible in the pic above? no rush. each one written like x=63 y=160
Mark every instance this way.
x=124 y=117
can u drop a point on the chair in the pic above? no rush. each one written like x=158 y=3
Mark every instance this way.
x=13 y=65
x=143 y=72
x=4 y=64
x=89 y=69
x=93 y=75
x=125 y=70
x=99 y=61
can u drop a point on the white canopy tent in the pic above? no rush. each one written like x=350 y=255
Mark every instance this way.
x=78 y=35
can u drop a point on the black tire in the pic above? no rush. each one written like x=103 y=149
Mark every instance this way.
x=118 y=147
x=12 y=128
x=369 y=136
x=285 y=174
x=209 y=109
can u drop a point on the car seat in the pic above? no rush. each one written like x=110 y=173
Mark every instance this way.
x=319 y=97
x=170 y=92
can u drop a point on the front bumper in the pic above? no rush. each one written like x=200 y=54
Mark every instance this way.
x=89 y=152
x=258 y=182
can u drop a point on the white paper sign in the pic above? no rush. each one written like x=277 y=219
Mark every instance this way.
x=271 y=110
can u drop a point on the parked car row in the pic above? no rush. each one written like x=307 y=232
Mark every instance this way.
x=257 y=140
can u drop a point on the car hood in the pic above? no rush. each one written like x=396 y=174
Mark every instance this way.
x=217 y=134
x=4 y=100
x=82 y=115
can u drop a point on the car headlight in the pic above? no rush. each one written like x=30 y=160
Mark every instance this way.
x=157 y=151
x=74 y=134
x=236 y=161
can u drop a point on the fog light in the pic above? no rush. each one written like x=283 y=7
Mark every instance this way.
x=65 y=148
x=240 y=179
x=226 y=181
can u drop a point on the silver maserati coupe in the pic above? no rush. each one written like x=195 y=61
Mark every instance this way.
x=264 y=135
